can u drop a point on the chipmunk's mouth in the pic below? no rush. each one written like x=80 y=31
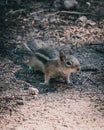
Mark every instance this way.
x=76 y=69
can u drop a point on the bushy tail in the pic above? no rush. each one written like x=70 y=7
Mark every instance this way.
x=27 y=47
x=30 y=46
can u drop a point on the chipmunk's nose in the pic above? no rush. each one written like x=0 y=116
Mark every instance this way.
x=78 y=68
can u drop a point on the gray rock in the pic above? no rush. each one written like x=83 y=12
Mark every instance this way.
x=58 y=4
x=82 y=19
x=68 y=4
x=33 y=91
x=65 y=4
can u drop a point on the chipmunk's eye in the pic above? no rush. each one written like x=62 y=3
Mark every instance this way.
x=68 y=63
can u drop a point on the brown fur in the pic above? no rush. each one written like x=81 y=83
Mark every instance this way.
x=56 y=66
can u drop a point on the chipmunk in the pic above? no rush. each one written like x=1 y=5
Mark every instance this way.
x=53 y=63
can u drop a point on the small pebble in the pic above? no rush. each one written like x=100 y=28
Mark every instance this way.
x=33 y=91
x=20 y=102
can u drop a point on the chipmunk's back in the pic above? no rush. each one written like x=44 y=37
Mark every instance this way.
x=53 y=62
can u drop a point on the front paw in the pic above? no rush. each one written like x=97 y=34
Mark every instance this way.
x=70 y=84
x=44 y=83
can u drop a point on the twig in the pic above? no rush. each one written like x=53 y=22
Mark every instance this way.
x=99 y=50
x=37 y=12
x=74 y=12
x=88 y=68
x=67 y=12
x=97 y=43
x=86 y=79
x=51 y=14
x=16 y=11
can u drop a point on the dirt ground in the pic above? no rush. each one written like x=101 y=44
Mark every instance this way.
x=59 y=106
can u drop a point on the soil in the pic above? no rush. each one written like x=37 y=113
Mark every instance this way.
x=58 y=106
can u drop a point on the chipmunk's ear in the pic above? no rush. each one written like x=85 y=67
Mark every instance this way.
x=70 y=52
x=62 y=55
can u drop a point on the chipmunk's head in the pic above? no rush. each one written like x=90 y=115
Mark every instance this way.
x=69 y=61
